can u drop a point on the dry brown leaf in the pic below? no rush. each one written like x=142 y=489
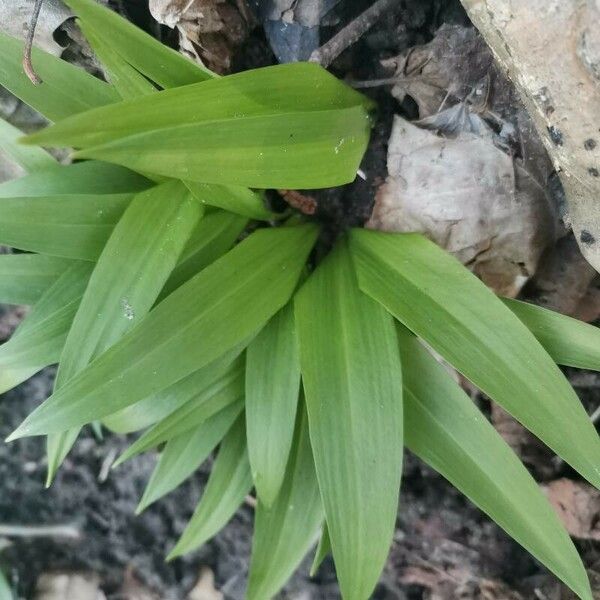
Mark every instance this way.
x=471 y=198
x=68 y=586
x=210 y=31
x=452 y=64
x=578 y=506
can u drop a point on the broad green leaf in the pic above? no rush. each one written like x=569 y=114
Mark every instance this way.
x=28 y=158
x=271 y=91
x=224 y=392
x=157 y=62
x=353 y=385
x=71 y=226
x=87 y=177
x=285 y=532
x=458 y=316
x=138 y=258
x=272 y=388
x=39 y=339
x=156 y=407
x=66 y=90
x=228 y=484
x=323 y=549
x=25 y=277
x=183 y=454
x=239 y=200
x=568 y=341
x=209 y=315
x=128 y=82
x=294 y=150
x=214 y=235
x=445 y=429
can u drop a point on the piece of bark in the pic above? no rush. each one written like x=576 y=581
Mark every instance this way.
x=551 y=50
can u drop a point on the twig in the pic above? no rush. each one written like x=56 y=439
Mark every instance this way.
x=57 y=531
x=329 y=51
x=27 y=65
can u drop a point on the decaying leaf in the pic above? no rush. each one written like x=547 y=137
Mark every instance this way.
x=210 y=31
x=472 y=173
x=577 y=505
x=551 y=51
x=449 y=67
x=468 y=196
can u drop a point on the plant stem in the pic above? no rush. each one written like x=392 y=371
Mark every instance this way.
x=27 y=64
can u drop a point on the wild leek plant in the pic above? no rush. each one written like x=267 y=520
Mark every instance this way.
x=310 y=378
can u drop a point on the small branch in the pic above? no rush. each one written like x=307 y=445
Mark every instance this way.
x=56 y=531
x=27 y=65
x=327 y=53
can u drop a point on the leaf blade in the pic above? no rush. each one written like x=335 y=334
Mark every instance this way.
x=184 y=453
x=65 y=91
x=358 y=467
x=229 y=483
x=156 y=61
x=272 y=388
x=446 y=430
x=196 y=324
x=443 y=303
x=285 y=532
x=137 y=260
x=568 y=341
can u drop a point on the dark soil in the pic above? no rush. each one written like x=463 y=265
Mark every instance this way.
x=443 y=548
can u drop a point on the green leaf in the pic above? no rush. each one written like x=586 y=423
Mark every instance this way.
x=353 y=385
x=568 y=341
x=138 y=258
x=184 y=453
x=25 y=277
x=157 y=62
x=271 y=91
x=295 y=150
x=156 y=407
x=212 y=313
x=66 y=90
x=239 y=200
x=28 y=158
x=445 y=429
x=40 y=338
x=228 y=484
x=272 y=387
x=323 y=549
x=214 y=235
x=286 y=531
x=88 y=177
x=225 y=391
x=71 y=226
x=128 y=82
x=458 y=316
